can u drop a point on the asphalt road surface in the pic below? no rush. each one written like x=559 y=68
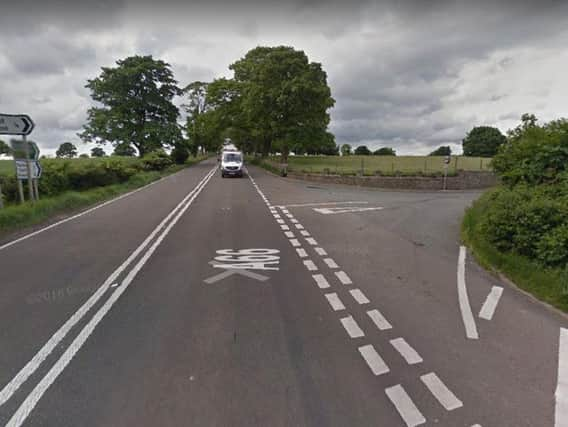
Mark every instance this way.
x=262 y=301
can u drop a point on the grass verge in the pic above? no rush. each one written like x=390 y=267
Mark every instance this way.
x=547 y=284
x=16 y=217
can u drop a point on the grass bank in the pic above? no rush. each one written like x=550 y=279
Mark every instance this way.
x=547 y=284
x=17 y=217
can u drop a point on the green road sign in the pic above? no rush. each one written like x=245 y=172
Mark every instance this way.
x=19 y=150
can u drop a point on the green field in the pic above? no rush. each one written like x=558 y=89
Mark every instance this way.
x=6 y=167
x=370 y=165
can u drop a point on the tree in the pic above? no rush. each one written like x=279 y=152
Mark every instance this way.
x=124 y=150
x=444 y=150
x=385 y=151
x=137 y=107
x=66 y=150
x=4 y=148
x=345 y=150
x=483 y=141
x=180 y=153
x=362 y=150
x=84 y=156
x=97 y=152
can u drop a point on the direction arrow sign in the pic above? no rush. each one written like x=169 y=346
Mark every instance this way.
x=16 y=124
x=19 y=149
x=22 y=169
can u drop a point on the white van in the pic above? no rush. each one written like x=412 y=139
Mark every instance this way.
x=232 y=163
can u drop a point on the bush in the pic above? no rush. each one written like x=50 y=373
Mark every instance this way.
x=180 y=154
x=157 y=161
x=552 y=249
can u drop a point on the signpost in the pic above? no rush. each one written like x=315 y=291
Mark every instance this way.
x=24 y=153
x=446 y=163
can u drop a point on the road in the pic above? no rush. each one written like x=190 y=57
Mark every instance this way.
x=262 y=301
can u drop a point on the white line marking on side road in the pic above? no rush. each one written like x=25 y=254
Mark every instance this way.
x=321 y=281
x=305 y=233
x=406 y=351
x=302 y=253
x=310 y=265
x=442 y=393
x=379 y=320
x=300 y=205
x=332 y=211
x=299 y=226
x=405 y=406
x=359 y=296
x=284 y=227
x=488 y=309
x=312 y=241
x=33 y=398
x=561 y=395
x=465 y=308
x=330 y=263
x=343 y=277
x=321 y=251
x=352 y=327
x=295 y=243
x=374 y=360
x=58 y=336
x=335 y=302
x=289 y=234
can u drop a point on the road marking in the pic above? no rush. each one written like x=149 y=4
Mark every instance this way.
x=293 y=220
x=289 y=234
x=334 y=301
x=56 y=338
x=295 y=243
x=305 y=233
x=343 y=277
x=302 y=253
x=286 y=211
x=405 y=406
x=301 y=205
x=330 y=263
x=490 y=304
x=379 y=320
x=231 y=271
x=289 y=215
x=359 y=296
x=374 y=360
x=310 y=265
x=321 y=281
x=561 y=395
x=114 y=285
x=442 y=393
x=277 y=216
x=331 y=211
x=321 y=251
x=280 y=221
x=299 y=226
x=33 y=398
x=311 y=241
x=406 y=351
x=352 y=327
x=465 y=308
x=284 y=227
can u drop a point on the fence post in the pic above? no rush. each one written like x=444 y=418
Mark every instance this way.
x=456 y=165
x=362 y=166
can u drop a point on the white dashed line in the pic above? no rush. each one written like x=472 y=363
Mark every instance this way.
x=284 y=227
x=293 y=220
x=343 y=277
x=295 y=243
x=352 y=327
x=289 y=234
x=442 y=393
x=359 y=296
x=379 y=320
x=406 y=351
x=405 y=406
x=330 y=263
x=280 y=221
x=374 y=360
x=299 y=226
x=321 y=251
x=335 y=302
x=310 y=265
x=305 y=233
x=321 y=281
x=311 y=241
x=277 y=216
x=302 y=253
x=490 y=304
x=290 y=216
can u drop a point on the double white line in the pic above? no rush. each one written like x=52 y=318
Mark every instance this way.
x=161 y=231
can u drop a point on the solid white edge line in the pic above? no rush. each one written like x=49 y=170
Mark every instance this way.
x=335 y=302
x=561 y=394
x=58 y=336
x=321 y=281
x=373 y=359
x=465 y=308
x=441 y=392
x=359 y=296
x=406 y=351
x=488 y=309
x=405 y=406
x=379 y=320
x=31 y=401
x=352 y=327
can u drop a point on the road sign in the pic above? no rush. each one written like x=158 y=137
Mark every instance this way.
x=22 y=169
x=19 y=149
x=19 y=124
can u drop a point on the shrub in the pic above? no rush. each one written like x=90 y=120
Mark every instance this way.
x=180 y=154
x=157 y=161
x=552 y=249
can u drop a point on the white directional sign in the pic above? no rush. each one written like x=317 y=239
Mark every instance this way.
x=345 y=209
x=16 y=124
x=22 y=169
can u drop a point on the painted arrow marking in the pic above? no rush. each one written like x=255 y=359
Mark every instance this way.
x=331 y=211
x=230 y=272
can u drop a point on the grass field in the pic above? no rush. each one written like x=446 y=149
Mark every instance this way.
x=7 y=167
x=385 y=164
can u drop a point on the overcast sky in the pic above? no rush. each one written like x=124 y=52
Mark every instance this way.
x=412 y=75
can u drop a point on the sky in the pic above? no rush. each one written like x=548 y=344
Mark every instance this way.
x=407 y=74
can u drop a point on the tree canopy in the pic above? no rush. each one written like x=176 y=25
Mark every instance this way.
x=66 y=150
x=345 y=150
x=124 y=150
x=385 y=151
x=362 y=150
x=137 y=107
x=483 y=141
x=444 y=150
x=97 y=152
x=4 y=148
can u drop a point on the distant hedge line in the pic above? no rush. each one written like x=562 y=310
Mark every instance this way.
x=61 y=175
